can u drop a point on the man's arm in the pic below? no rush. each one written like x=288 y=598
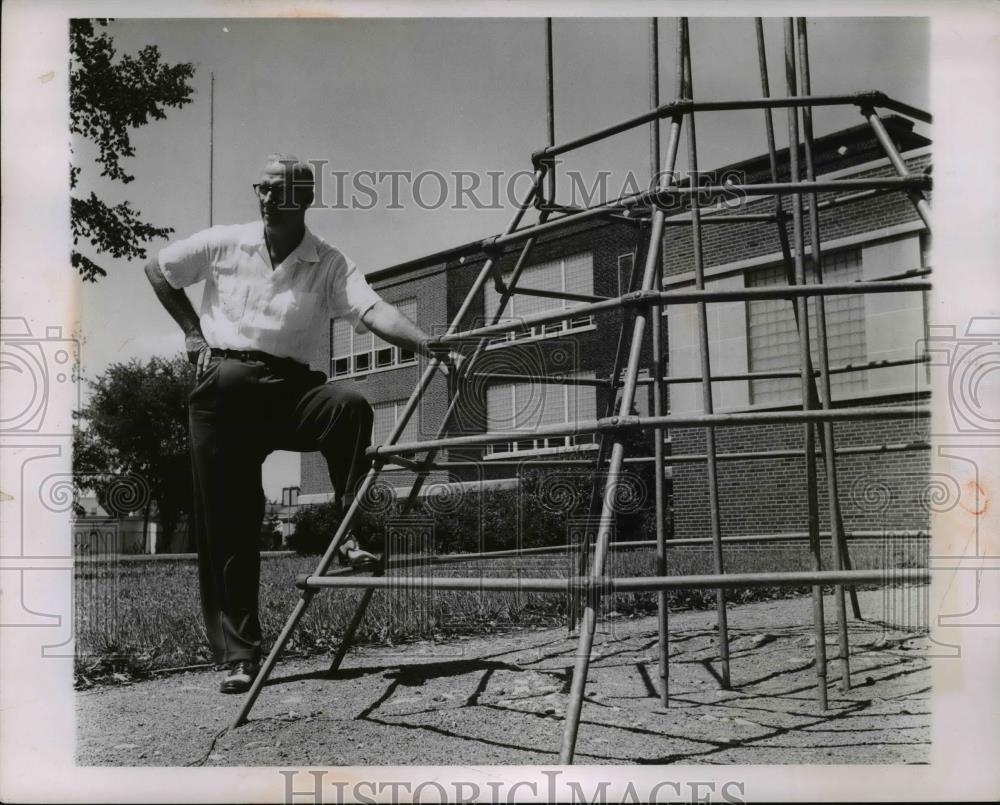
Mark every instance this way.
x=177 y=304
x=389 y=324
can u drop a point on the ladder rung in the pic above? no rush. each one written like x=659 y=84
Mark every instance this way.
x=606 y=585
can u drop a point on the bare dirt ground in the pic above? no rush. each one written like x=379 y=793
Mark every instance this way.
x=501 y=700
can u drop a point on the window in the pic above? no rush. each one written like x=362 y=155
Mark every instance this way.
x=774 y=340
x=527 y=406
x=568 y=275
x=386 y=414
x=354 y=353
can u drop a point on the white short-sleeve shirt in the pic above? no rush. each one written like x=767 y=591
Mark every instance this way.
x=247 y=305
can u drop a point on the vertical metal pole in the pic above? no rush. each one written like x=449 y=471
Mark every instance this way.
x=819 y=617
x=839 y=546
x=604 y=440
x=802 y=307
x=345 y=525
x=656 y=371
x=211 y=149
x=421 y=475
x=550 y=108
x=708 y=404
x=589 y=621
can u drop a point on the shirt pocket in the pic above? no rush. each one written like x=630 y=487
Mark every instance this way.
x=231 y=290
x=300 y=310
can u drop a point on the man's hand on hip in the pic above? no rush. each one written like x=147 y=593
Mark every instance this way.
x=198 y=352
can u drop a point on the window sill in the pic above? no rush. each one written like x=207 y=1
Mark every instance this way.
x=871 y=396
x=542 y=451
x=367 y=372
x=545 y=336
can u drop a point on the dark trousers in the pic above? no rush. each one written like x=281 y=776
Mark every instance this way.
x=239 y=412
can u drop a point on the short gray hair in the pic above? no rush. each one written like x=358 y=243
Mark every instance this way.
x=301 y=171
x=303 y=177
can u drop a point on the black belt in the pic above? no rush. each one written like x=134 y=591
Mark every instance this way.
x=288 y=364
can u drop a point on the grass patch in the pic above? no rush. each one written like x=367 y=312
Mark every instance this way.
x=135 y=618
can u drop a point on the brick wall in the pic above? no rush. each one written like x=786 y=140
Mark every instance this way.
x=730 y=243
x=876 y=491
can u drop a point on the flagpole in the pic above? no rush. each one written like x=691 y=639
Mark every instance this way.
x=211 y=148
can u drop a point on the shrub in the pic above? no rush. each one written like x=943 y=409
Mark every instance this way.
x=532 y=516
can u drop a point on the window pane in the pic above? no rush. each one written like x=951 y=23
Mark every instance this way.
x=386 y=414
x=341 y=338
x=385 y=418
x=546 y=277
x=526 y=407
x=774 y=340
x=500 y=407
x=580 y=274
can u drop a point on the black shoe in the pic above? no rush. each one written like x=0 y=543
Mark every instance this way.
x=240 y=676
x=350 y=555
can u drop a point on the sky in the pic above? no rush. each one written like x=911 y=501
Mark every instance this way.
x=441 y=95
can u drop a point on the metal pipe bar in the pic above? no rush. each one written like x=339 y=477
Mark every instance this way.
x=680 y=458
x=845 y=369
x=421 y=469
x=489 y=269
x=324 y=563
x=899 y=447
x=506 y=292
x=668 y=420
x=742 y=218
x=708 y=192
x=659 y=390
x=913 y=272
x=550 y=108
x=918 y=198
x=850 y=198
x=686 y=106
x=566 y=380
x=809 y=393
x=905 y=109
x=720 y=218
x=605 y=585
x=704 y=354
x=686 y=297
x=790 y=537
x=569 y=209
x=618 y=545
x=826 y=396
x=604 y=444
x=564 y=295
x=634 y=281
x=589 y=621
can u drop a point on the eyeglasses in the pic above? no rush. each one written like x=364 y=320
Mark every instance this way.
x=277 y=191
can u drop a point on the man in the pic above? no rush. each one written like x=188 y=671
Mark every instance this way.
x=271 y=288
